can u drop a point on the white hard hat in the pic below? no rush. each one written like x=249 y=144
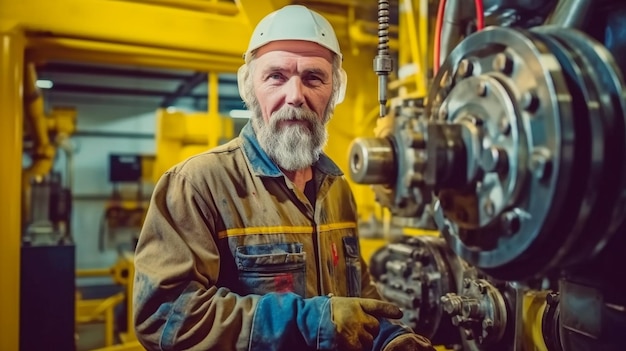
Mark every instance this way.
x=294 y=22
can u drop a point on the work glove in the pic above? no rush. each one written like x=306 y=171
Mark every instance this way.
x=409 y=342
x=356 y=320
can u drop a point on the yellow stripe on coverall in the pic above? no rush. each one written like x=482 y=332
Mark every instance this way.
x=285 y=229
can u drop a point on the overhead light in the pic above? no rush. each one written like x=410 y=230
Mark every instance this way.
x=240 y=114
x=44 y=84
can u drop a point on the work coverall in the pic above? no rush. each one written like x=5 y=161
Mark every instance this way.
x=232 y=256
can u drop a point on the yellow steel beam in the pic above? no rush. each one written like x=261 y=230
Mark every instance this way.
x=160 y=33
x=11 y=124
x=255 y=10
x=128 y=22
x=42 y=48
x=213 y=6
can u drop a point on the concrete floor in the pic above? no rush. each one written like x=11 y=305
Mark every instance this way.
x=89 y=336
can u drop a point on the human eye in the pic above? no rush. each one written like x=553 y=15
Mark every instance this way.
x=314 y=80
x=275 y=76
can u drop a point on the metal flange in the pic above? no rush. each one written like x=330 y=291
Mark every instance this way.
x=543 y=115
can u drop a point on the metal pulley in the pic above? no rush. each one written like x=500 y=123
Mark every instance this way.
x=526 y=149
x=394 y=164
x=414 y=272
x=480 y=311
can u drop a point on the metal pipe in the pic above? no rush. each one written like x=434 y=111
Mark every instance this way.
x=424 y=34
x=418 y=56
x=38 y=125
x=12 y=44
x=43 y=155
x=451 y=29
x=63 y=140
x=94 y=272
x=383 y=63
x=570 y=13
x=65 y=143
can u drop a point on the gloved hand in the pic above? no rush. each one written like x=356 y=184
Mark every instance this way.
x=409 y=342
x=356 y=320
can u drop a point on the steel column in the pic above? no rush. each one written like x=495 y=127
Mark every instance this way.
x=11 y=124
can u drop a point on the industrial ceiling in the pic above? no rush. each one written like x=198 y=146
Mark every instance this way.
x=85 y=83
x=87 y=79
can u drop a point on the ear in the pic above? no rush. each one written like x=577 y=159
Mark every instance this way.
x=341 y=94
x=242 y=74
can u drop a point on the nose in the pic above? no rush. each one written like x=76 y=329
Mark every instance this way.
x=295 y=92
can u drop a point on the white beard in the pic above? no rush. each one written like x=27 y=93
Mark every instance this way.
x=295 y=146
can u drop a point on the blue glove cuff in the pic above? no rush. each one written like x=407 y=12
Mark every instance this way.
x=284 y=321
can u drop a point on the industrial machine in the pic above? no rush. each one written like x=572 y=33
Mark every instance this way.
x=47 y=252
x=517 y=152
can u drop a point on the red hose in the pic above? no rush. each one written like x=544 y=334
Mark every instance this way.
x=480 y=24
x=480 y=15
x=437 y=42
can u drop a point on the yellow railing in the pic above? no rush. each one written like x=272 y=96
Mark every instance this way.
x=102 y=310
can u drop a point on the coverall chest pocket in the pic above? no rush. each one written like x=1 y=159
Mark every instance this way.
x=268 y=268
x=353 y=265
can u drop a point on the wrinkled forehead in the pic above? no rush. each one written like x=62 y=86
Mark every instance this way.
x=299 y=48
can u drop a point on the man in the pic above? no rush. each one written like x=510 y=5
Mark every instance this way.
x=253 y=245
